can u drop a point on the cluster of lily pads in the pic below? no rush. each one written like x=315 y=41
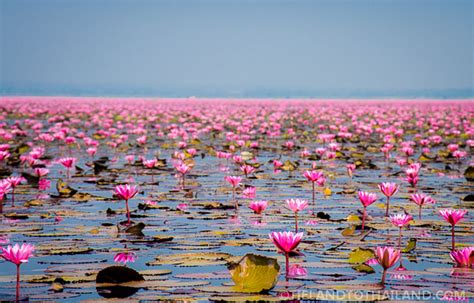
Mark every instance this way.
x=311 y=153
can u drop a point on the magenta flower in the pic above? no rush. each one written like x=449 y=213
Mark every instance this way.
x=463 y=257
x=67 y=162
x=350 y=169
x=41 y=172
x=125 y=257
x=130 y=158
x=286 y=242
x=249 y=192
x=387 y=257
x=313 y=176
x=452 y=216
x=247 y=170
x=297 y=270
x=92 y=151
x=258 y=206
x=296 y=205
x=44 y=184
x=182 y=206
x=400 y=220
x=183 y=170
x=17 y=255
x=412 y=176
x=234 y=181
x=458 y=154
x=126 y=192
x=388 y=189
x=366 y=199
x=4 y=155
x=150 y=163
x=420 y=200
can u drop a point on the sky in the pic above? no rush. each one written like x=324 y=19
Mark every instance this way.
x=237 y=47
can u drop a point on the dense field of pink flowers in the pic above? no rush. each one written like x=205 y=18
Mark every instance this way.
x=153 y=199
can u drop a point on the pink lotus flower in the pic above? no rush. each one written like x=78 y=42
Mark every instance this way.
x=150 y=163
x=126 y=192
x=151 y=203
x=387 y=257
x=249 y=192
x=4 y=155
x=234 y=181
x=463 y=257
x=258 y=206
x=412 y=176
x=311 y=223
x=125 y=257
x=297 y=270
x=420 y=200
x=41 y=172
x=44 y=184
x=130 y=158
x=67 y=162
x=452 y=216
x=350 y=169
x=247 y=169
x=17 y=255
x=183 y=170
x=289 y=145
x=182 y=206
x=91 y=151
x=388 y=189
x=296 y=205
x=400 y=220
x=314 y=176
x=286 y=242
x=277 y=164
x=366 y=199
x=453 y=147
x=458 y=154
x=141 y=140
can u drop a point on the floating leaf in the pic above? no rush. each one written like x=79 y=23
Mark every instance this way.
x=360 y=255
x=255 y=273
x=349 y=231
x=136 y=229
x=64 y=190
x=112 y=277
x=469 y=173
x=364 y=268
x=327 y=191
x=353 y=219
x=411 y=245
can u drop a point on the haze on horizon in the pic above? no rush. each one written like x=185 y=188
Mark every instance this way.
x=237 y=47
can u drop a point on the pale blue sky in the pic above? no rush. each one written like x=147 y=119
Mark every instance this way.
x=232 y=47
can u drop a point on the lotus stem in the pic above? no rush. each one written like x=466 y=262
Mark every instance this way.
x=363 y=219
x=128 y=212
x=388 y=205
